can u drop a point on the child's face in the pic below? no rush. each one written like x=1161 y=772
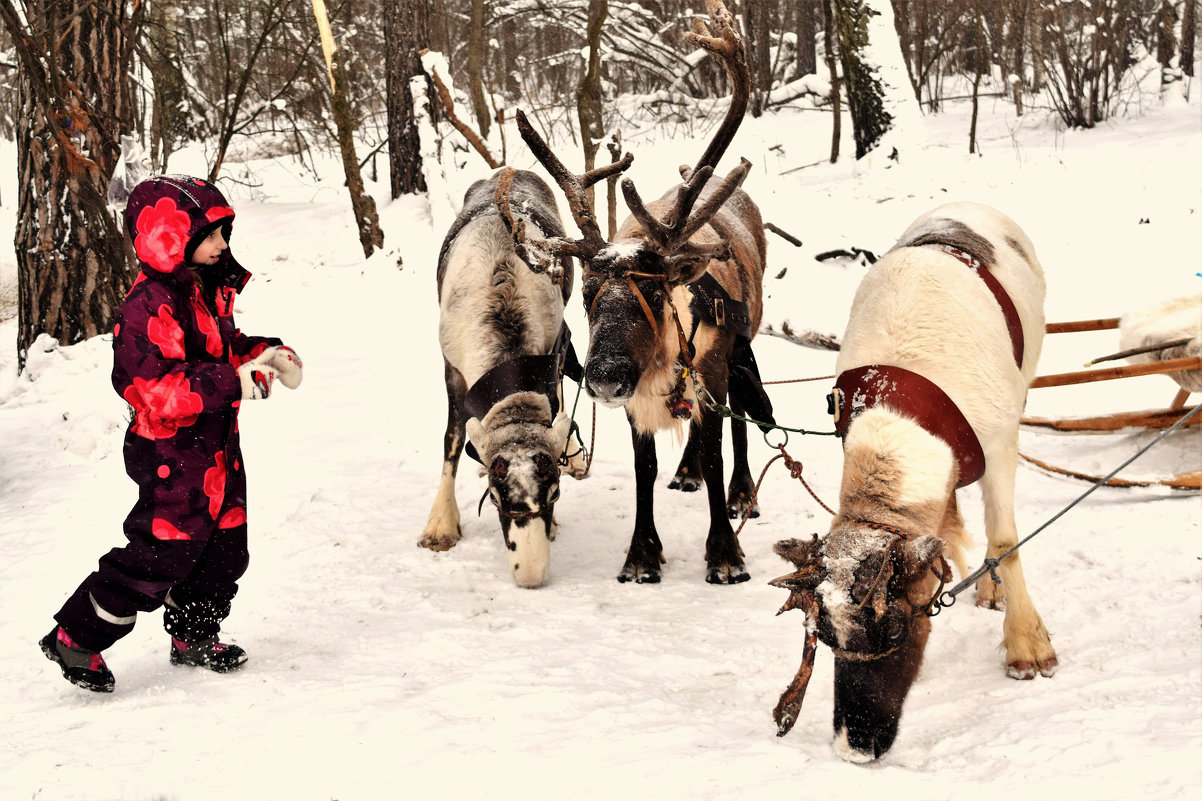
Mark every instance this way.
x=209 y=250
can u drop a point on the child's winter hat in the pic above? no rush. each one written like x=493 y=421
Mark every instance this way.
x=167 y=216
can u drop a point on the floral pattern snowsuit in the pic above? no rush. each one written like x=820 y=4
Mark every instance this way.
x=175 y=354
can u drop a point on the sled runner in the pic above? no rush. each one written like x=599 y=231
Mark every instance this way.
x=1167 y=354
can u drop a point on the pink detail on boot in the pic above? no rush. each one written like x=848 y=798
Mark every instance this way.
x=180 y=644
x=97 y=662
x=65 y=639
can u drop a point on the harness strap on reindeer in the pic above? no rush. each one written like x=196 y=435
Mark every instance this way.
x=712 y=304
x=916 y=396
x=539 y=373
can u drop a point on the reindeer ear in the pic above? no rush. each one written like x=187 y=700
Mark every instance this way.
x=810 y=570
x=799 y=552
x=919 y=555
x=475 y=433
x=686 y=269
x=560 y=429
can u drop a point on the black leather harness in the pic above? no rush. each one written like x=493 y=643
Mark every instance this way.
x=539 y=373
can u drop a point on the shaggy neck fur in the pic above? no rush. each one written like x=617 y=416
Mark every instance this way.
x=894 y=473
x=648 y=406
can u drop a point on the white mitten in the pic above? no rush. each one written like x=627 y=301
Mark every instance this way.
x=288 y=366
x=256 y=376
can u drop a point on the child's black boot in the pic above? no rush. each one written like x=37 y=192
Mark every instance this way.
x=81 y=667
x=217 y=656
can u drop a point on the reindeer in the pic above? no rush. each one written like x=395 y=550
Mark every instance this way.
x=692 y=261
x=505 y=347
x=942 y=342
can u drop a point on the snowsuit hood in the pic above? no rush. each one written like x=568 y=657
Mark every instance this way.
x=167 y=216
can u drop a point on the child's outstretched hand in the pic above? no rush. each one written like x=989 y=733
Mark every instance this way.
x=288 y=366
x=257 y=375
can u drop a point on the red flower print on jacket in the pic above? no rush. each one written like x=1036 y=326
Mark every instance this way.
x=215 y=484
x=166 y=333
x=233 y=518
x=162 y=530
x=162 y=406
x=162 y=235
x=218 y=213
x=207 y=325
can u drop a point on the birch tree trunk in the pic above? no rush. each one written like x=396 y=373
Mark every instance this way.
x=366 y=218
x=75 y=101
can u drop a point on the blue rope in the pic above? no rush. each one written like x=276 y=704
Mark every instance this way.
x=990 y=566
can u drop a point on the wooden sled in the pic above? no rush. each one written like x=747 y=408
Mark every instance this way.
x=1150 y=419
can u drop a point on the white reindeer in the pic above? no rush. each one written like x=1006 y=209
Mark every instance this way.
x=924 y=309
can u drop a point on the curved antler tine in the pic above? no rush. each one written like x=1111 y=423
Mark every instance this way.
x=656 y=230
x=572 y=187
x=714 y=201
x=601 y=173
x=693 y=184
x=721 y=39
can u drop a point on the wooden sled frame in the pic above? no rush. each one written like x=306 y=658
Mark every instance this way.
x=1150 y=419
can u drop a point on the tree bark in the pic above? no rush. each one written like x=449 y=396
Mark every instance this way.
x=865 y=97
x=406 y=33
x=1166 y=43
x=759 y=61
x=588 y=92
x=75 y=101
x=1189 y=31
x=807 y=30
x=828 y=33
x=476 y=55
x=364 y=206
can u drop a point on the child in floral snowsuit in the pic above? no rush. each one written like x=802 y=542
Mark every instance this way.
x=184 y=368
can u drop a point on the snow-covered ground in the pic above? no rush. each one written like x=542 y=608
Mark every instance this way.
x=381 y=670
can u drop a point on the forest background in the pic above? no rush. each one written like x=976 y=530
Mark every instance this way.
x=97 y=93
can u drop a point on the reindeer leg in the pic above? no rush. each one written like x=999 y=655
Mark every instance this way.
x=1024 y=636
x=723 y=556
x=646 y=552
x=442 y=528
x=688 y=472
x=740 y=500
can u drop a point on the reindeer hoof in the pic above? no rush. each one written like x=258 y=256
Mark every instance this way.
x=639 y=576
x=727 y=574
x=438 y=543
x=738 y=509
x=1021 y=670
x=685 y=483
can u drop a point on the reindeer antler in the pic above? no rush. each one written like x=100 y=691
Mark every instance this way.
x=670 y=235
x=573 y=186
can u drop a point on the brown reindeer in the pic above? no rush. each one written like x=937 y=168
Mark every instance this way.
x=672 y=306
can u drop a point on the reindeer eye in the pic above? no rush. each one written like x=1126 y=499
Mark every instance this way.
x=498 y=469
x=896 y=632
x=553 y=496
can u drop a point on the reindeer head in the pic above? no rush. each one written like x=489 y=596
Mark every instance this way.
x=520 y=446
x=629 y=284
x=869 y=588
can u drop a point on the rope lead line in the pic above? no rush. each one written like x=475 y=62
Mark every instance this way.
x=990 y=566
